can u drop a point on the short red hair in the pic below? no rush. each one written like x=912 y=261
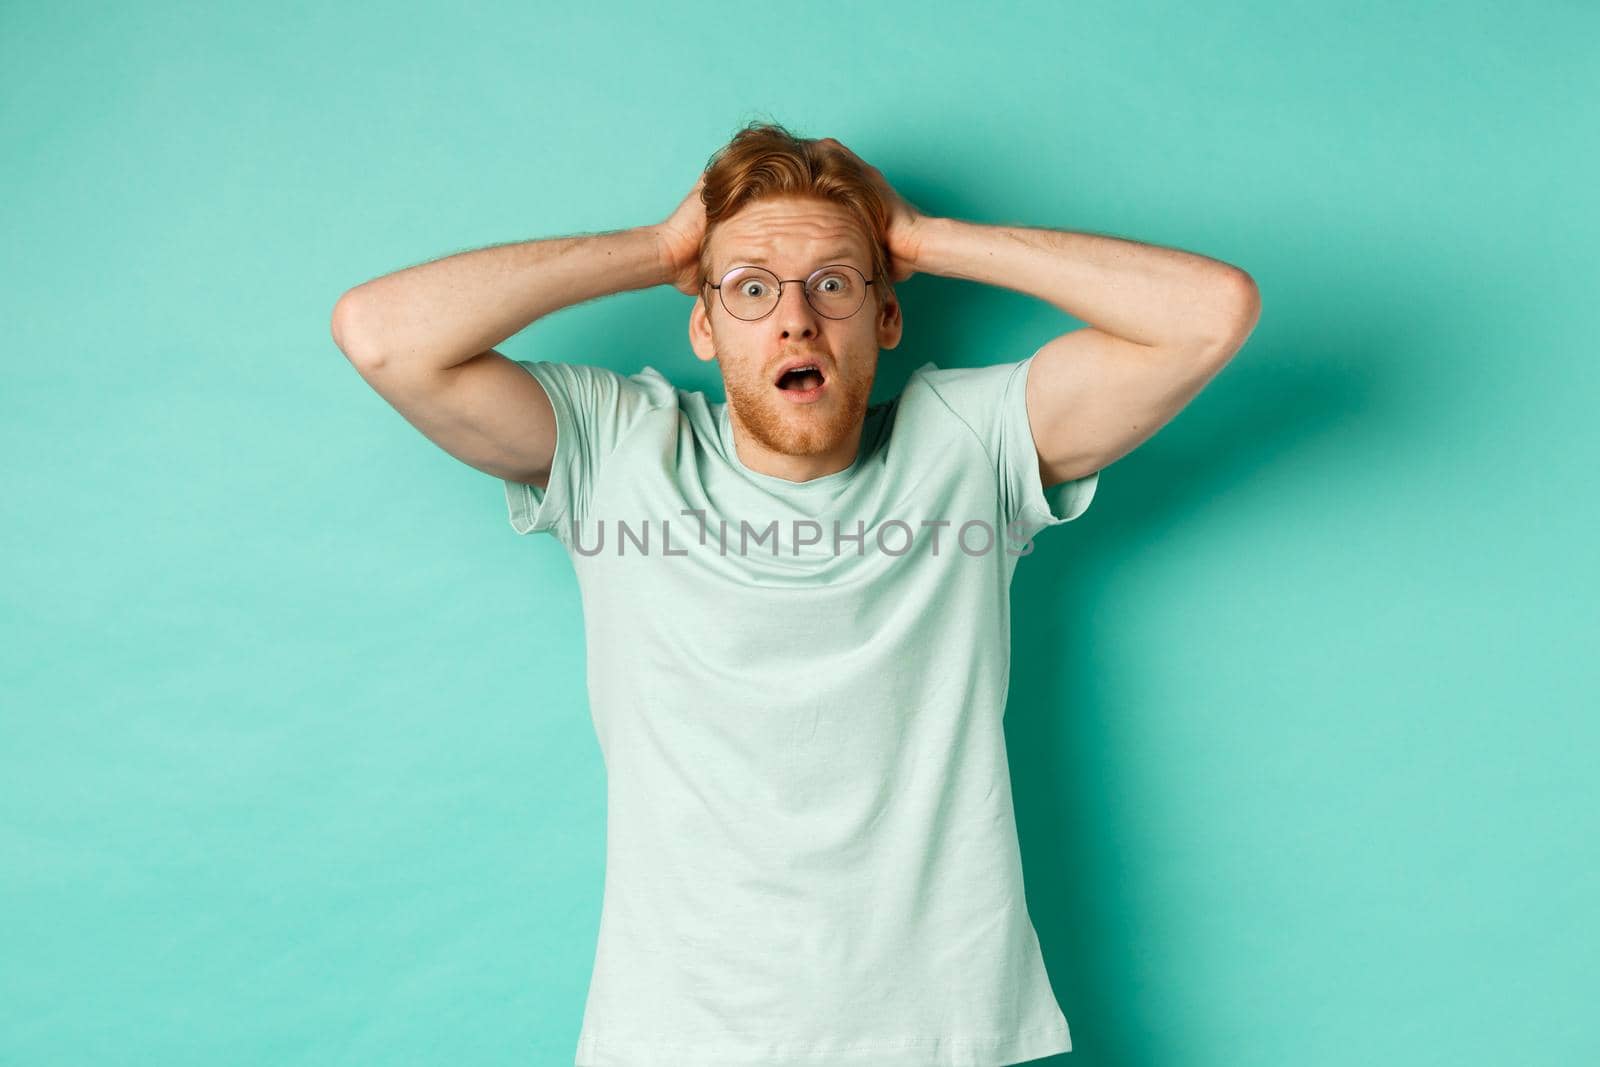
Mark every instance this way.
x=765 y=160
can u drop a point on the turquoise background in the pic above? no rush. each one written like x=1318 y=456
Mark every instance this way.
x=295 y=761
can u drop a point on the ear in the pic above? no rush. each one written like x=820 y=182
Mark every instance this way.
x=700 y=337
x=889 y=322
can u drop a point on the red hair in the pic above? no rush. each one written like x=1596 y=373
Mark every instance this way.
x=765 y=160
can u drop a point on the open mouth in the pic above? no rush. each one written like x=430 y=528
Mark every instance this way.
x=802 y=379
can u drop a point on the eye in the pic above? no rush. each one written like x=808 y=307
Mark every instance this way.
x=748 y=284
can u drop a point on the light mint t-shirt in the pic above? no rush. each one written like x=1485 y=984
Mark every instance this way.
x=797 y=687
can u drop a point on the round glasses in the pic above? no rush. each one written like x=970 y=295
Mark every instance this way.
x=836 y=291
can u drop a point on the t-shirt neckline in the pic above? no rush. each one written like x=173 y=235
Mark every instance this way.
x=725 y=429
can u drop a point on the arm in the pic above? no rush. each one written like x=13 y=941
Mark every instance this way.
x=1164 y=323
x=423 y=337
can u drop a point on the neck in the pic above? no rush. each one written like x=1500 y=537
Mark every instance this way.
x=792 y=467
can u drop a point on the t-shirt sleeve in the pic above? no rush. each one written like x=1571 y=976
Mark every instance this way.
x=595 y=407
x=993 y=402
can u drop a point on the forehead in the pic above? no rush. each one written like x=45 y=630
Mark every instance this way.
x=788 y=232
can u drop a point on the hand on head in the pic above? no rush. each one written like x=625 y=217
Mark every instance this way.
x=679 y=237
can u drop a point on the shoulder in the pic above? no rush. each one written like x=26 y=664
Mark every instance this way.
x=960 y=386
x=648 y=382
x=656 y=385
x=976 y=397
x=585 y=390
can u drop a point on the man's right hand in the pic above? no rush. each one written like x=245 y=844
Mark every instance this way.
x=679 y=238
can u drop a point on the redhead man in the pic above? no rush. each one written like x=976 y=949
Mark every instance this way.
x=796 y=602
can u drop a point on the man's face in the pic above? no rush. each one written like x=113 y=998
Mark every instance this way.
x=792 y=237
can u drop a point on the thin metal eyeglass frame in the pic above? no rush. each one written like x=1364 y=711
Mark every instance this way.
x=804 y=282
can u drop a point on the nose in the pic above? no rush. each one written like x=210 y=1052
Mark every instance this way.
x=796 y=317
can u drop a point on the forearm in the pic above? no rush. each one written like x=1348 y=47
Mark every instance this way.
x=1145 y=293
x=442 y=313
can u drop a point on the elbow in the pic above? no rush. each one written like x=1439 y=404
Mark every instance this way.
x=1238 y=309
x=1246 y=299
x=1249 y=312
x=348 y=332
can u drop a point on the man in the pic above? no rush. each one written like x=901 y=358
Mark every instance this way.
x=796 y=602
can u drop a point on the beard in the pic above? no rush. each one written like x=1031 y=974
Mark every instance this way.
x=781 y=425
